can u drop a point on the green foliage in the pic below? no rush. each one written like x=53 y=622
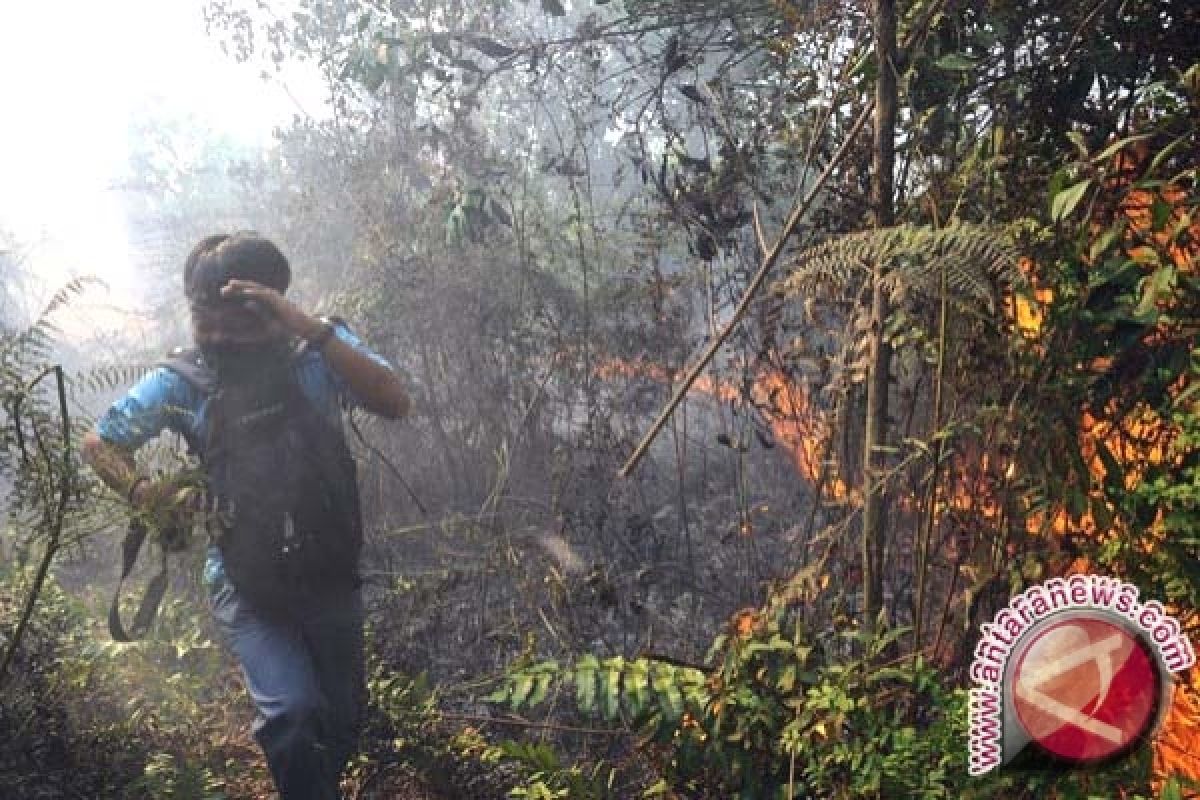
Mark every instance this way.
x=175 y=667
x=978 y=261
x=548 y=777
x=48 y=751
x=428 y=104
x=473 y=215
x=1126 y=295
x=31 y=441
x=767 y=717
x=166 y=778
x=1064 y=201
x=406 y=726
x=780 y=715
x=650 y=692
x=409 y=704
x=790 y=718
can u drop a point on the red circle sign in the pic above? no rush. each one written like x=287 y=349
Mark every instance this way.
x=1085 y=688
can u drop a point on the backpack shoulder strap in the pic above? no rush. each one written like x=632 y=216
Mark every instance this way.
x=154 y=590
x=187 y=364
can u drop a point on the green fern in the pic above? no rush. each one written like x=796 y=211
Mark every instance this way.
x=33 y=440
x=36 y=343
x=106 y=378
x=977 y=260
x=650 y=691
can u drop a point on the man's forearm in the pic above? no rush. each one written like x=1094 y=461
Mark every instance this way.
x=377 y=385
x=117 y=469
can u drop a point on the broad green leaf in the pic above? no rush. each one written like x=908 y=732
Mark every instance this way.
x=661 y=788
x=1065 y=201
x=1079 y=141
x=1057 y=181
x=956 y=62
x=521 y=688
x=637 y=685
x=1076 y=501
x=667 y=689
x=1182 y=225
x=1160 y=213
x=541 y=687
x=1117 y=146
x=787 y=679
x=673 y=701
x=610 y=683
x=1157 y=283
x=585 y=683
x=1166 y=152
x=1105 y=240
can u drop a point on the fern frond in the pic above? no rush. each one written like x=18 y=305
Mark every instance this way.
x=106 y=378
x=977 y=261
x=67 y=292
x=36 y=343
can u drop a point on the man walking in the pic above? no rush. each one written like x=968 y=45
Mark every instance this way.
x=259 y=402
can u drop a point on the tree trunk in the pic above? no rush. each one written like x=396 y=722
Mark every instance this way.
x=874 y=460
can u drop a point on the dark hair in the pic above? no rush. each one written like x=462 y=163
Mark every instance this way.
x=222 y=256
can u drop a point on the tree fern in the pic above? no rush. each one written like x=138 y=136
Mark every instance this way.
x=33 y=437
x=977 y=260
x=35 y=344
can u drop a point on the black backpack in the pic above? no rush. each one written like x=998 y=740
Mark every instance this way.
x=284 y=486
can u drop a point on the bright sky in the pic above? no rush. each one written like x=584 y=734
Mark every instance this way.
x=74 y=74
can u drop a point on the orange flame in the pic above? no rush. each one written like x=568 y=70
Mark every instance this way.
x=796 y=425
x=1133 y=440
x=1136 y=439
x=1140 y=438
x=802 y=431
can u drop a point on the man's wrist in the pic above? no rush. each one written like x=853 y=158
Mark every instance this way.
x=308 y=328
x=320 y=334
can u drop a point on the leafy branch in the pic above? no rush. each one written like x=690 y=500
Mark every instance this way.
x=976 y=260
x=54 y=516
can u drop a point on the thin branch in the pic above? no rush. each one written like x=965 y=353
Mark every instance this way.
x=756 y=283
x=758 y=234
x=789 y=228
x=55 y=520
x=524 y=723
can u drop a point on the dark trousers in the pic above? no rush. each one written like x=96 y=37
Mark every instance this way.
x=305 y=675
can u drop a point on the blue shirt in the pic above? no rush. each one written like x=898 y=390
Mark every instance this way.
x=164 y=400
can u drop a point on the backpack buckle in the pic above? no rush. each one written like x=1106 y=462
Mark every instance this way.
x=291 y=542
